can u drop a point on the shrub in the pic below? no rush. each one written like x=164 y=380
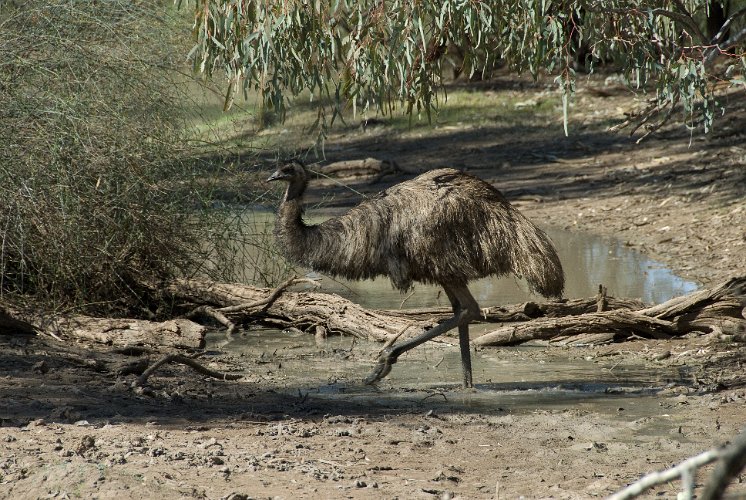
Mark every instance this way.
x=101 y=194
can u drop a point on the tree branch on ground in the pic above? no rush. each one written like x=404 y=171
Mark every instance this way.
x=184 y=360
x=731 y=461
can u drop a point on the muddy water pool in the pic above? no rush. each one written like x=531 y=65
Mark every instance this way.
x=511 y=379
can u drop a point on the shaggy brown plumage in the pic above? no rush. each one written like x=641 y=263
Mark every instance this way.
x=443 y=227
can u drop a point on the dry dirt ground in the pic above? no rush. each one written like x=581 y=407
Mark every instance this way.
x=69 y=431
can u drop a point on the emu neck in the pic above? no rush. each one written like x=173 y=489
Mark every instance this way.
x=290 y=216
x=291 y=231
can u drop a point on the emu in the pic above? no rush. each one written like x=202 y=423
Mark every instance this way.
x=443 y=227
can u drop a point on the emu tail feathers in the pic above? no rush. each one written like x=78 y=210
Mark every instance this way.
x=536 y=260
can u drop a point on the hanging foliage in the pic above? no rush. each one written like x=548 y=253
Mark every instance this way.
x=392 y=54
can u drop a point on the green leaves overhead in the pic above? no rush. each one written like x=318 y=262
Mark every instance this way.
x=386 y=54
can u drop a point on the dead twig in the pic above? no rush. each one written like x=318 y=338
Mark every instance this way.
x=213 y=313
x=265 y=304
x=184 y=360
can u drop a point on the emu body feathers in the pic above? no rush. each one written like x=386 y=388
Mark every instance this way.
x=443 y=227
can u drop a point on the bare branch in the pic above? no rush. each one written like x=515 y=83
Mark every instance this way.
x=267 y=303
x=651 y=129
x=718 y=46
x=659 y=477
x=733 y=462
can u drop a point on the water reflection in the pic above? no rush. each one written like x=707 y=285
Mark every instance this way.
x=588 y=260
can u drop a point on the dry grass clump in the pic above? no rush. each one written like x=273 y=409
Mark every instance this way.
x=99 y=189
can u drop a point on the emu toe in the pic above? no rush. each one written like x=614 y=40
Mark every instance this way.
x=385 y=361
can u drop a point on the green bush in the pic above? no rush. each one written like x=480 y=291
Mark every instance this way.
x=102 y=197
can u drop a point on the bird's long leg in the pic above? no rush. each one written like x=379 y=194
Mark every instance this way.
x=463 y=337
x=389 y=355
x=464 y=309
x=466 y=304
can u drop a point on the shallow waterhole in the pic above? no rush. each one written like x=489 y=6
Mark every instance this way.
x=506 y=378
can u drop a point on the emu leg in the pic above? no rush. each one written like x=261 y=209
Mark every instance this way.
x=463 y=343
x=389 y=356
x=464 y=309
x=466 y=303
x=463 y=337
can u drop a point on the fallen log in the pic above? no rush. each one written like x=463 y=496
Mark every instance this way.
x=233 y=304
x=174 y=333
x=302 y=310
x=525 y=311
x=617 y=322
x=717 y=310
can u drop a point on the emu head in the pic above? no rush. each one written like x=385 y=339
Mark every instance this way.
x=294 y=173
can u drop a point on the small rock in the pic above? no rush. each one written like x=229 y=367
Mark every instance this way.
x=86 y=443
x=40 y=367
x=681 y=399
x=208 y=443
x=39 y=422
x=597 y=447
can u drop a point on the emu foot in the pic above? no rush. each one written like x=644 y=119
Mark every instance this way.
x=385 y=361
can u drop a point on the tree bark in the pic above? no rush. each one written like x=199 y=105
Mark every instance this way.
x=716 y=310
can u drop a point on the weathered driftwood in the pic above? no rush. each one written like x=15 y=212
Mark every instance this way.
x=621 y=321
x=242 y=304
x=176 y=333
x=525 y=311
x=717 y=310
x=232 y=304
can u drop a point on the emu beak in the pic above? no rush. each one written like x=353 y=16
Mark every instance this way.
x=275 y=176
